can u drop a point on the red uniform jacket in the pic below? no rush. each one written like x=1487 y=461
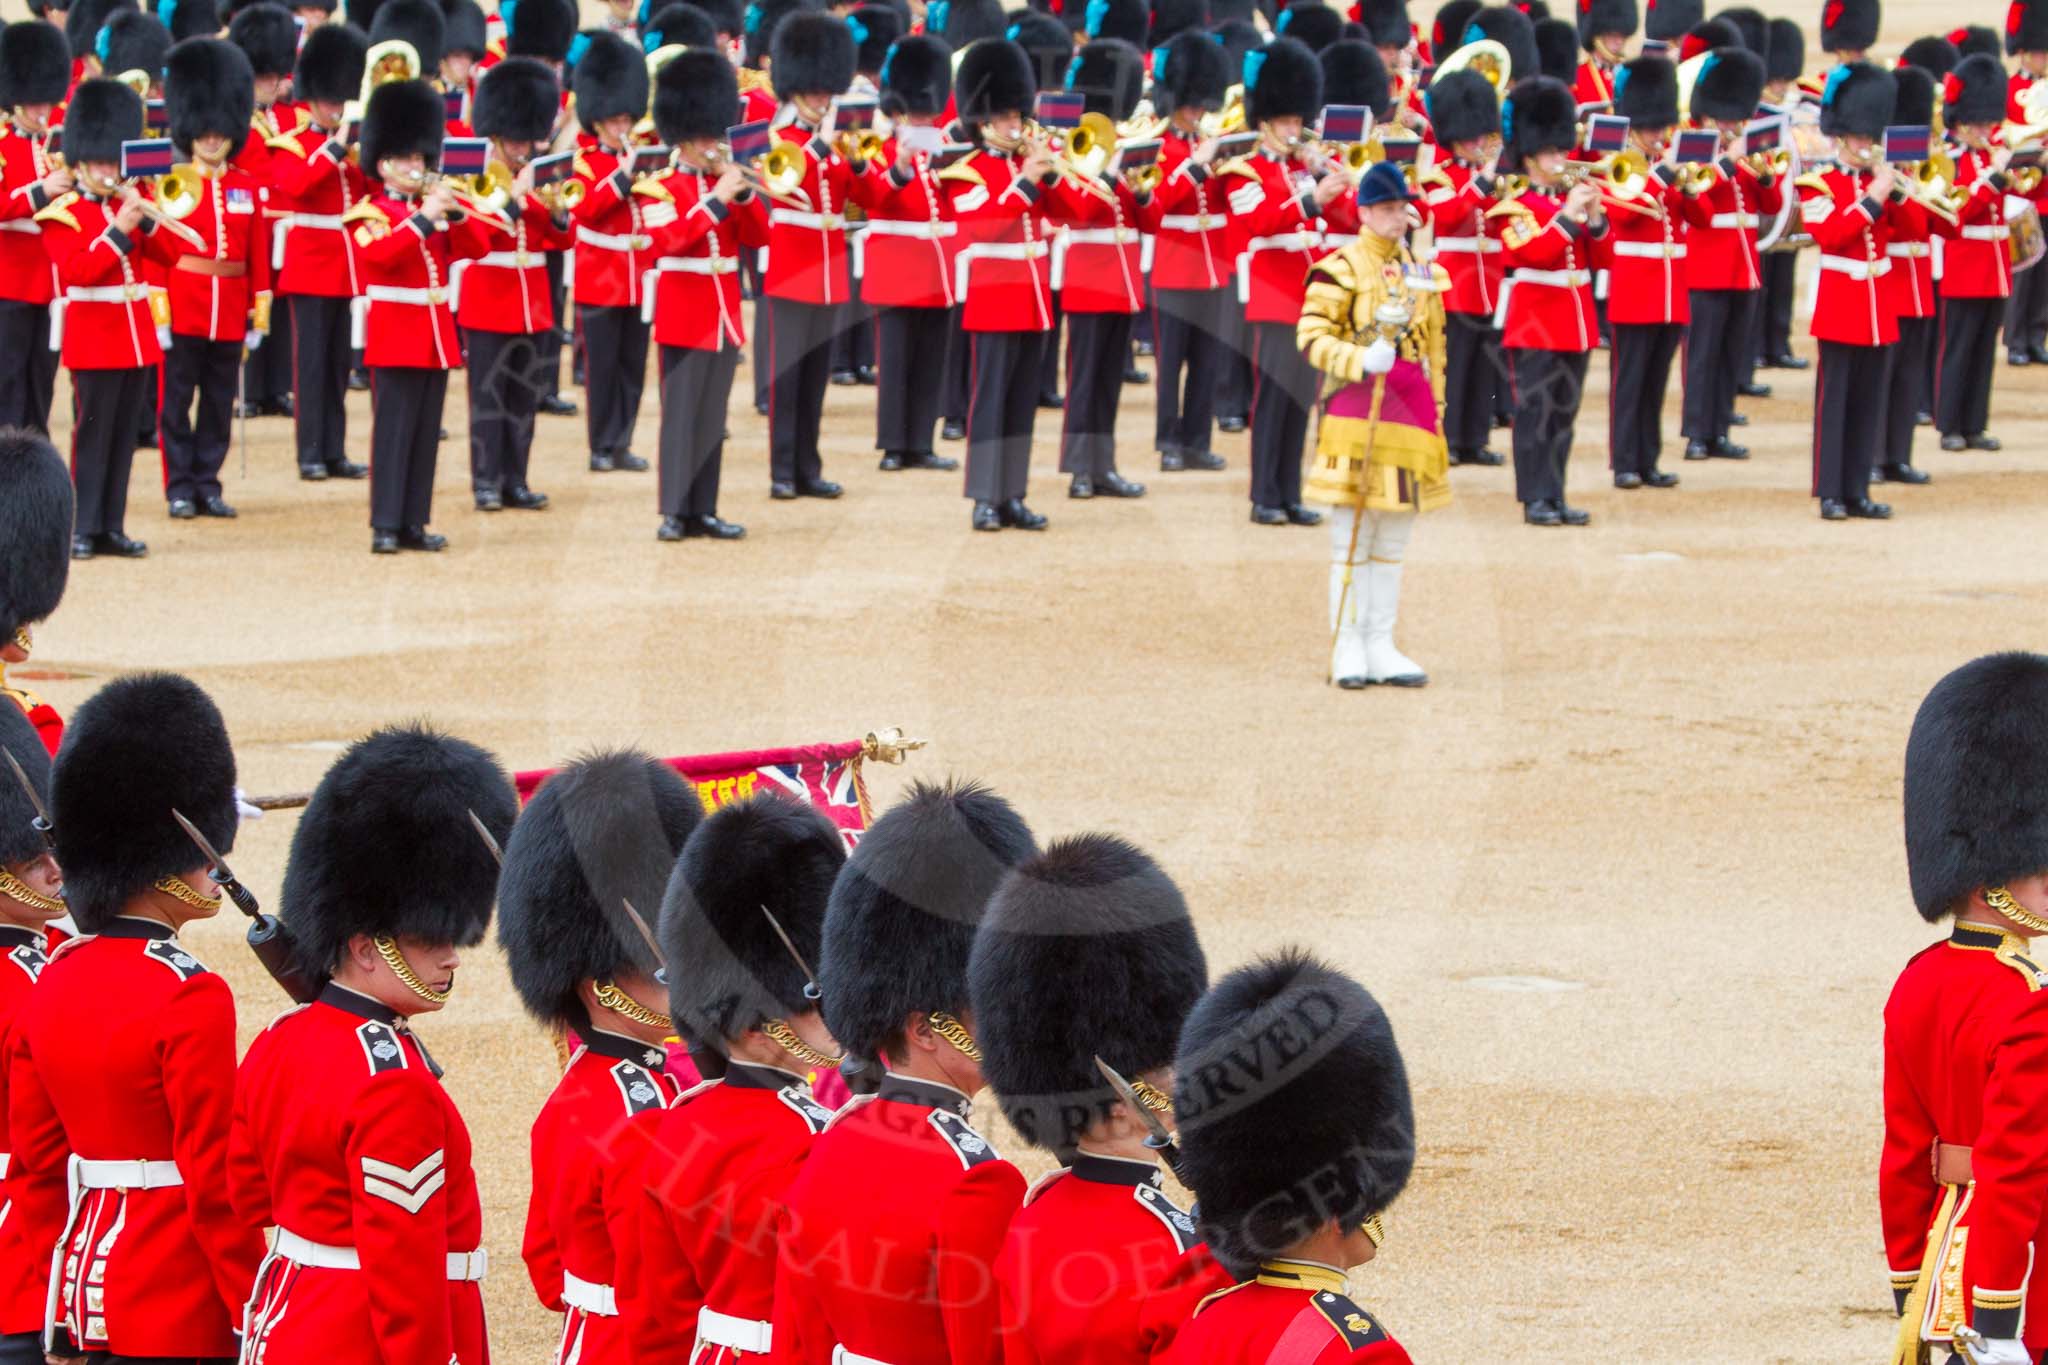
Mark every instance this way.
x=905 y=254
x=1722 y=253
x=716 y=1176
x=1291 y=1311
x=582 y=1241
x=265 y=126
x=213 y=290
x=32 y=1206
x=807 y=253
x=1276 y=235
x=1099 y=261
x=311 y=250
x=1467 y=242
x=1908 y=287
x=26 y=275
x=1976 y=261
x=697 y=241
x=1082 y=1256
x=407 y=269
x=1852 y=231
x=613 y=249
x=106 y=318
x=1190 y=221
x=757 y=104
x=890 y=1234
x=1965 y=1057
x=1549 y=304
x=127 y=1056
x=506 y=288
x=1594 y=83
x=1645 y=255
x=1003 y=271
x=2015 y=86
x=345 y=1142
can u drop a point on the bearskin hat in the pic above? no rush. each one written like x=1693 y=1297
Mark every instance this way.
x=961 y=22
x=386 y=846
x=1238 y=38
x=1751 y=24
x=35 y=64
x=35 y=518
x=901 y=921
x=1706 y=36
x=1338 y=1092
x=403 y=118
x=102 y=114
x=601 y=833
x=1282 y=78
x=1189 y=72
x=1311 y=23
x=517 y=100
x=268 y=36
x=728 y=17
x=1047 y=42
x=84 y=20
x=1848 y=25
x=463 y=28
x=1354 y=74
x=696 y=95
x=1669 y=20
x=1129 y=20
x=1935 y=55
x=1538 y=115
x=133 y=41
x=875 y=28
x=1557 y=49
x=1858 y=99
x=1170 y=18
x=917 y=75
x=1532 y=10
x=994 y=77
x=1914 y=105
x=1386 y=22
x=763 y=17
x=1729 y=84
x=188 y=18
x=417 y=22
x=1513 y=30
x=1109 y=75
x=813 y=54
x=1447 y=29
x=20 y=840
x=1222 y=12
x=768 y=853
x=539 y=28
x=1976 y=781
x=208 y=88
x=1975 y=91
x=611 y=79
x=142 y=746
x=1605 y=16
x=1646 y=92
x=1974 y=38
x=1086 y=951
x=679 y=25
x=1461 y=107
x=331 y=64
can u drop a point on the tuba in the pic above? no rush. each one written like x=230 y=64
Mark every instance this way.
x=1489 y=58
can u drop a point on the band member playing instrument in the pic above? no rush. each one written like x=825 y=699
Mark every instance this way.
x=268 y=35
x=1550 y=329
x=1784 y=61
x=1605 y=26
x=1976 y=272
x=1848 y=28
x=1908 y=290
x=1464 y=115
x=35 y=73
x=2026 y=313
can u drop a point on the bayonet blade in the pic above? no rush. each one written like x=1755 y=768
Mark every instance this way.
x=1160 y=1138
x=490 y=839
x=812 y=991
x=218 y=869
x=646 y=934
x=42 y=822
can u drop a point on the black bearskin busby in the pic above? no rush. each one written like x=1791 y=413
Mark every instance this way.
x=268 y=36
x=1335 y=1098
x=20 y=840
x=1047 y=42
x=1646 y=92
x=1461 y=107
x=1171 y=18
x=1848 y=25
x=1538 y=115
x=601 y=833
x=763 y=17
x=1974 y=92
x=133 y=41
x=697 y=95
x=875 y=29
x=184 y=19
x=961 y=22
x=1221 y=12
x=1971 y=39
x=900 y=925
x=1933 y=54
x=1514 y=31
x=994 y=77
x=102 y=114
x=139 y=748
x=1913 y=105
x=1751 y=24
x=35 y=64
x=1706 y=36
x=1311 y=23
x=1729 y=84
x=1784 y=51
x=1086 y=951
x=1532 y=10
x=386 y=847
x=611 y=79
x=1386 y=22
x=679 y=25
x=35 y=522
x=1557 y=50
x=728 y=17
x=1129 y=20
x=1109 y=75
x=330 y=65
x=463 y=29
x=1282 y=78
x=539 y=28
x=1858 y=99
x=917 y=75
x=516 y=100
x=1190 y=72
x=403 y=118
x=1238 y=38
x=84 y=20
x=417 y=22
x=813 y=54
x=1669 y=20
x=208 y=89
x=1605 y=16
x=767 y=853
x=1447 y=29
x=1354 y=74
x=1976 y=781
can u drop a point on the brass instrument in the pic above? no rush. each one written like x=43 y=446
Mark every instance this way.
x=2029 y=133
x=1227 y=120
x=1144 y=179
x=1697 y=177
x=177 y=192
x=864 y=144
x=1140 y=128
x=1489 y=58
x=1622 y=178
x=136 y=79
x=394 y=59
x=179 y=178
x=1931 y=184
x=780 y=174
x=562 y=195
x=2025 y=180
x=1776 y=163
x=1508 y=187
x=656 y=60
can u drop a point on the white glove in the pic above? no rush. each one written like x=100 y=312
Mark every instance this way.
x=1978 y=1350
x=243 y=810
x=1380 y=356
x=254 y=341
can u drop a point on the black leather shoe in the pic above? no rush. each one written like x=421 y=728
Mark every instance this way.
x=526 y=500
x=1725 y=449
x=924 y=459
x=1629 y=480
x=1503 y=420
x=313 y=473
x=2038 y=353
x=420 y=538
x=114 y=543
x=601 y=463
x=1542 y=512
x=282 y=406
x=1752 y=389
x=1207 y=460
x=891 y=461
x=760 y=407
x=1982 y=442
x=671 y=529
x=843 y=378
x=1049 y=399
x=1304 y=516
x=489 y=500
x=1015 y=513
x=782 y=492
x=1232 y=424
x=1953 y=441
x=1488 y=458
x=865 y=374
x=1268 y=516
x=1573 y=516
x=1738 y=419
x=383 y=542
x=183 y=509
x=442 y=434
x=1115 y=485
x=81 y=547
x=1923 y=419
x=1143 y=348
x=1905 y=473
x=1657 y=478
x=629 y=462
x=1787 y=361
x=712 y=528
x=952 y=429
x=1134 y=375
x=1873 y=511
x=248 y=410
x=2018 y=358
x=822 y=488
x=1832 y=509
x=1081 y=486
x=554 y=405
x=348 y=469
x=986 y=517
x=216 y=507
x=1172 y=462
x=358 y=381
x=146 y=440
x=1697 y=450
x=1877 y=474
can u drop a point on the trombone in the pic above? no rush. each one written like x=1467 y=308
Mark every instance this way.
x=177 y=186
x=780 y=174
x=1931 y=185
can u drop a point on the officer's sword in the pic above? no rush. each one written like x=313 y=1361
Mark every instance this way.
x=35 y=798
x=269 y=939
x=1156 y=1136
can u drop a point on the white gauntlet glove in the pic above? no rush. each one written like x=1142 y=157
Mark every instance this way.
x=1980 y=1350
x=1380 y=356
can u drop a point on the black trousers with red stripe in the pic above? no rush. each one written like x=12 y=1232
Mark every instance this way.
x=614 y=374
x=1548 y=387
x=1969 y=349
x=2026 y=312
x=799 y=369
x=31 y=366
x=320 y=361
x=915 y=345
x=107 y=408
x=1002 y=407
x=196 y=446
x=1283 y=391
x=1715 y=347
x=1098 y=345
x=1470 y=378
x=508 y=376
x=1190 y=348
x=1639 y=371
x=405 y=443
x=1848 y=417
x=695 y=388
x=1904 y=399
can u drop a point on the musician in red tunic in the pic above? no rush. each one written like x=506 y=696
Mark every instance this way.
x=344 y=1140
x=1908 y=290
x=1290 y=1049
x=1976 y=275
x=35 y=72
x=1960 y=1185
x=1464 y=111
x=1605 y=26
x=35 y=523
x=268 y=35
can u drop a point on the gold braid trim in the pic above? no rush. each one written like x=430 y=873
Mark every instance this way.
x=1151 y=1096
x=177 y=888
x=402 y=969
x=15 y=888
x=784 y=1037
x=2001 y=900
x=619 y=1003
x=947 y=1027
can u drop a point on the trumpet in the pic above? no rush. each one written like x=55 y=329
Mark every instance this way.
x=1622 y=175
x=1697 y=177
x=562 y=195
x=2025 y=180
x=779 y=176
x=864 y=144
x=1776 y=163
x=178 y=181
x=1931 y=184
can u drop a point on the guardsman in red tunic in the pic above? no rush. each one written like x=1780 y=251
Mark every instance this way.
x=36 y=503
x=268 y=35
x=1286 y=1221
x=315 y=183
x=1605 y=26
x=122 y=1080
x=592 y=848
x=2026 y=313
x=1549 y=326
x=1976 y=266
x=1960 y=1184
x=1908 y=290
x=408 y=244
x=506 y=307
x=1464 y=113
x=1086 y=952
x=891 y=1231
x=344 y=1140
x=723 y=1159
x=1784 y=62
x=703 y=216
x=463 y=45
x=35 y=72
